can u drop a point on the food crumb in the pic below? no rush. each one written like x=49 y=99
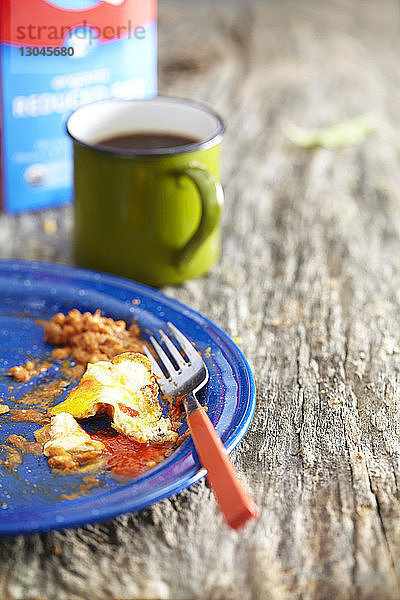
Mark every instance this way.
x=4 y=409
x=57 y=550
x=23 y=445
x=24 y=373
x=333 y=284
x=88 y=483
x=275 y=323
x=50 y=226
x=29 y=415
x=73 y=496
x=237 y=340
x=13 y=459
x=207 y=352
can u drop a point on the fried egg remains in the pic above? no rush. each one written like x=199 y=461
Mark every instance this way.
x=126 y=389
x=69 y=446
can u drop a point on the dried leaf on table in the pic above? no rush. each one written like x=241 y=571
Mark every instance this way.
x=340 y=135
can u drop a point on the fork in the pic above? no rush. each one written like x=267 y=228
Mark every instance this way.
x=182 y=381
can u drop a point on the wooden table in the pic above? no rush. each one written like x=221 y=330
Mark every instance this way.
x=310 y=281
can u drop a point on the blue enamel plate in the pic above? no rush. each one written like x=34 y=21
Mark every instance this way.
x=34 y=499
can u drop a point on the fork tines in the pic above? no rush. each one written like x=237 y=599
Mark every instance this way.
x=168 y=365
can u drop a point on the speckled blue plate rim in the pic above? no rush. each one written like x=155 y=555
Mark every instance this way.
x=78 y=512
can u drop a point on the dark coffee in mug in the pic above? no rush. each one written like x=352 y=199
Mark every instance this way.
x=138 y=142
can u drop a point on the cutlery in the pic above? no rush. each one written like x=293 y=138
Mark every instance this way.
x=182 y=378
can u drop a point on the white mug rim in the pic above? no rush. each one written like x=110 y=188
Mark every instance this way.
x=202 y=144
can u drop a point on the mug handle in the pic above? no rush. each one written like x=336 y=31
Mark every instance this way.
x=212 y=199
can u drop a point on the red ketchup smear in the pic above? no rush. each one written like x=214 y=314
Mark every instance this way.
x=128 y=458
x=128 y=410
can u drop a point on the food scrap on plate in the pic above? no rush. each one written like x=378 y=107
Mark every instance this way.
x=117 y=381
x=126 y=389
x=69 y=446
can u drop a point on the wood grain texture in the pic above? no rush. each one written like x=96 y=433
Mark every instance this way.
x=309 y=279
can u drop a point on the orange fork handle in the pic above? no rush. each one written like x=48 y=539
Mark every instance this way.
x=234 y=502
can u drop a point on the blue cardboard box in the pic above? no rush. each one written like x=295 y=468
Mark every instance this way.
x=56 y=55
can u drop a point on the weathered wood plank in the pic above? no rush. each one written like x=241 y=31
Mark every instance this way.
x=309 y=279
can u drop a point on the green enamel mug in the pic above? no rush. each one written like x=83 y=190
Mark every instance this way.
x=153 y=214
